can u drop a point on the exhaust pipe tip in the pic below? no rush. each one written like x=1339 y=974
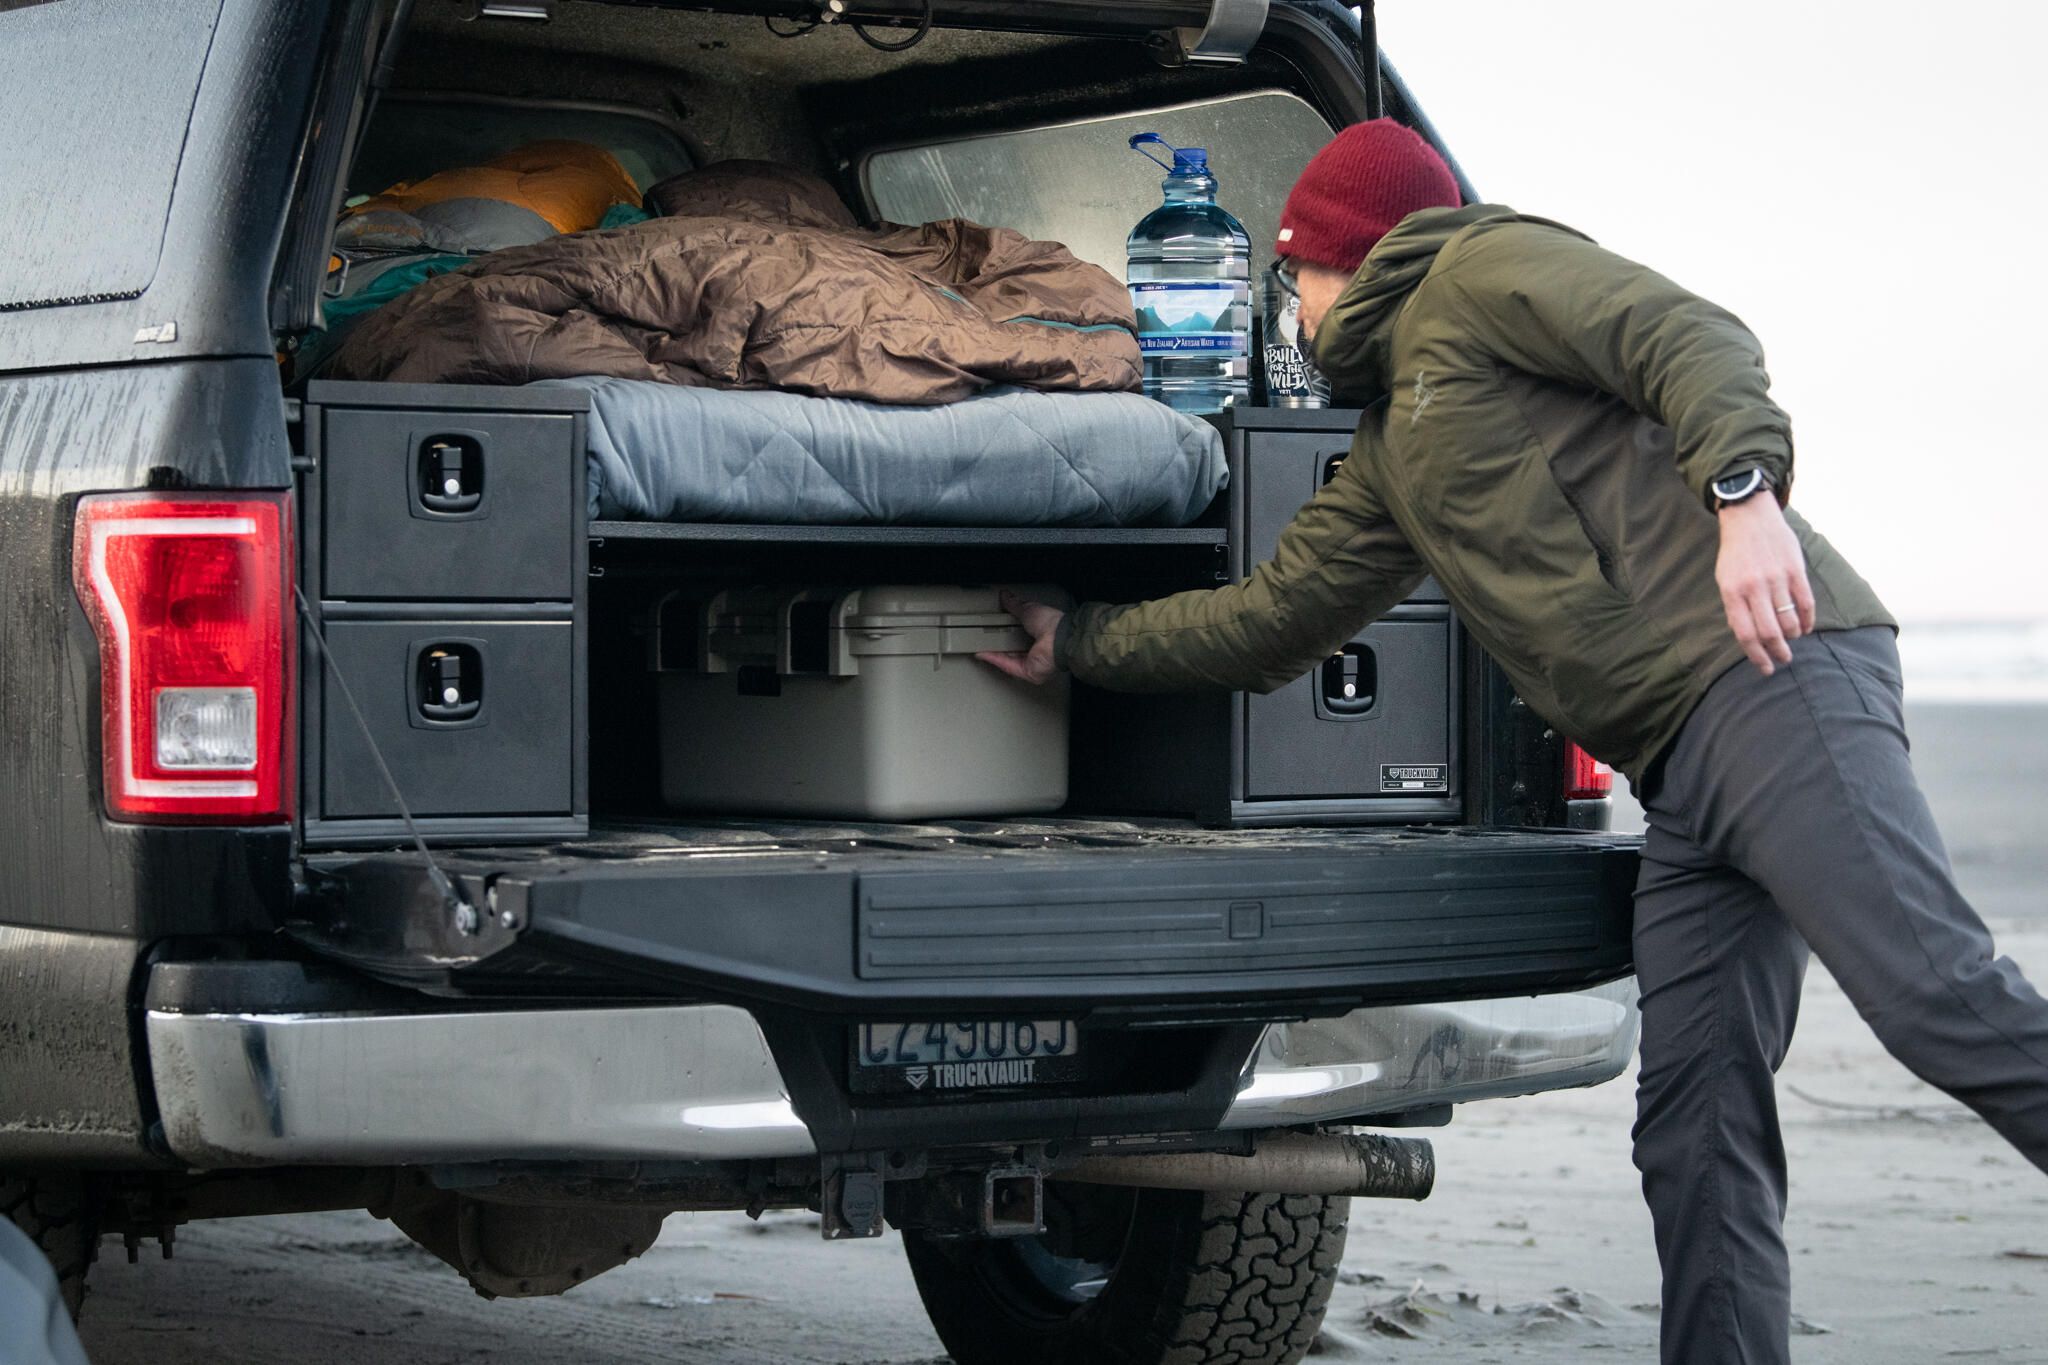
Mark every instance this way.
x=1354 y=1165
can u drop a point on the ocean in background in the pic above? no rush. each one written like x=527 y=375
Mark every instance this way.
x=1988 y=661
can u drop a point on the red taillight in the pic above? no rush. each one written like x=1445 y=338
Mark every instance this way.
x=1586 y=778
x=191 y=597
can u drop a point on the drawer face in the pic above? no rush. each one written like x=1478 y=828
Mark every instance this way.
x=1310 y=740
x=474 y=717
x=1283 y=470
x=426 y=506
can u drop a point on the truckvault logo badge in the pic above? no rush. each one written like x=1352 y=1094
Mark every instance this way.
x=968 y=1075
x=1414 y=777
x=917 y=1076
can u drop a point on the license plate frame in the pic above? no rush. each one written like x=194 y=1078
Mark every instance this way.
x=928 y=1057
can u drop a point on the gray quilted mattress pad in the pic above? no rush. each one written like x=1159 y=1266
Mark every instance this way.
x=1005 y=457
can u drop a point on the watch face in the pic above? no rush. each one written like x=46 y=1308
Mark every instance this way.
x=1735 y=487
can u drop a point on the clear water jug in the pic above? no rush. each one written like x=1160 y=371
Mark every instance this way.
x=1189 y=268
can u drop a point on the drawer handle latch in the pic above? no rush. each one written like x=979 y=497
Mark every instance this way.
x=1350 y=682
x=451 y=681
x=451 y=474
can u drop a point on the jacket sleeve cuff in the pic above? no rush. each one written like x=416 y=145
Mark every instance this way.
x=1063 y=641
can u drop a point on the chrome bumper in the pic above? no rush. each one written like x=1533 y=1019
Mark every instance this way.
x=1407 y=1057
x=698 y=1082
x=685 y=1082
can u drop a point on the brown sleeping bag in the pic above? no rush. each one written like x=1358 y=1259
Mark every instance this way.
x=756 y=276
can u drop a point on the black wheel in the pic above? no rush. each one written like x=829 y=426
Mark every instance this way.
x=57 y=1214
x=1138 y=1277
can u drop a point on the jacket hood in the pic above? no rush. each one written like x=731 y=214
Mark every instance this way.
x=1352 y=344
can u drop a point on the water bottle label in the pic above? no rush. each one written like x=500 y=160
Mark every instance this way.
x=1191 y=317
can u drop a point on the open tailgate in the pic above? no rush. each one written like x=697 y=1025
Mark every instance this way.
x=969 y=917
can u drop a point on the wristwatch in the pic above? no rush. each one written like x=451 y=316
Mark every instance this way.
x=1743 y=484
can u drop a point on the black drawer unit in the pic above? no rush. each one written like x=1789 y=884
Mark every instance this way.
x=476 y=724
x=444 y=554
x=1373 y=721
x=1370 y=736
x=454 y=505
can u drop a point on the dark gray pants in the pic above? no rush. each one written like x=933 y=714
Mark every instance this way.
x=1786 y=814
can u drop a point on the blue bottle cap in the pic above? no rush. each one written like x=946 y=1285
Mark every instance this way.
x=1186 y=160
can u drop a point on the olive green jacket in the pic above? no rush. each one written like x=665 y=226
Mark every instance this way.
x=1544 y=419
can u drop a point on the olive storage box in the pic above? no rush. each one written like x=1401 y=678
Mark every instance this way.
x=864 y=703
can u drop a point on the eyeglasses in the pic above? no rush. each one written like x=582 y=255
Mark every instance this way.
x=1283 y=275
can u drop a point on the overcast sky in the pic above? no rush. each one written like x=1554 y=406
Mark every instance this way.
x=1861 y=183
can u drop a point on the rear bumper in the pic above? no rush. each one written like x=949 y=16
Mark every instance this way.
x=256 y=1084
x=1400 y=1058
x=684 y=1082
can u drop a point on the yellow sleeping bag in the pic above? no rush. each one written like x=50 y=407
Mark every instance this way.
x=526 y=195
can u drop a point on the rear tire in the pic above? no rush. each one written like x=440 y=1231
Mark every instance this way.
x=56 y=1212
x=1139 y=1277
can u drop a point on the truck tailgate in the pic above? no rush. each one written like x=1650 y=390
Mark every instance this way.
x=960 y=918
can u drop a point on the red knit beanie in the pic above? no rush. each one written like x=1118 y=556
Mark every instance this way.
x=1366 y=179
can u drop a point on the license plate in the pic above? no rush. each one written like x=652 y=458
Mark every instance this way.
x=928 y=1058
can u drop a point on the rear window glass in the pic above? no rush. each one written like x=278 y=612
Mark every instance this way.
x=1081 y=184
x=94 y=99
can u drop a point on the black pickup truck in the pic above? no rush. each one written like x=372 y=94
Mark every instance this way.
x=273 y=943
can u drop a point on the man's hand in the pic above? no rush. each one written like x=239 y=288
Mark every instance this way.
x=1762 y=574
x=1041 y=623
